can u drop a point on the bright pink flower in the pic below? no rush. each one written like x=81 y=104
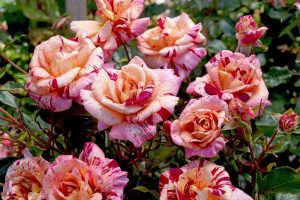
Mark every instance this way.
x=198 y=127
x=199 y=180
x=247 y=31
x=24 y=178
x=289 y=121
x=132 y=100
x=173 y=44
x=6 y=148
x=240 y=110
x=118 y=24
x=60 y=68
x=92 y=176
x=232 y=75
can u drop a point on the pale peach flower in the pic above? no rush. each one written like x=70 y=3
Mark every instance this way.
x=60 y=68
x=233 y=75
x=247 y=31
x=199 y=180
x=24 y=178
x=289 y=121
x=132 y=100
x=198 y=127
x=119 y=22
x=91 y=176
x=173 y=44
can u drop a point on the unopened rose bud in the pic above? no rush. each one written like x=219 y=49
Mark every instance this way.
x=241 y=110
x=247 y=32
x=288 y=121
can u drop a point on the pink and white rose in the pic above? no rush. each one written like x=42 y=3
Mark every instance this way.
x=24 y=178
x=119 y=23
x=91 y=176
x=199 y=180
x=247 y=32
x=198 y=127
x=6 y=145
x=289 y=121
x=132 y=100
x=60 y=68
x=233 y=75
x=173 y=44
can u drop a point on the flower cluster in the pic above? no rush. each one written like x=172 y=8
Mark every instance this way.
x=130 y=101
x=91 y=176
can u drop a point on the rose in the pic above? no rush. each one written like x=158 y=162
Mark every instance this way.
x=118 y=24
x=199 y=180
x=198 y=127
x=24 y=178
x=6 y=146
x=59 y=69
x=247 y=31
x=240 y=110
x=92 y=176
x=132 y=100
x=173 y=44
x=288 y=121
x=233 y=75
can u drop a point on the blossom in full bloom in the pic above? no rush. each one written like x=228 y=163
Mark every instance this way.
x=119 y=23
x=247 y=31
x=91 y=176
x=199 y=180
x=233 y=75
x=24 y=178
x=132 y=100
x=288 y=121
x=198 y=127
x=60 y=68
x=173 y=44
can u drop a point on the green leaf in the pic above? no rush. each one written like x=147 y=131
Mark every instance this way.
x=35 y=150
x=161 y=154
x=280 y=180
x=286 y=196
x=267 y=124
x=146 y=190
x=216 y=45
x=39 y=10
x=292 y=24
x=14 y=88
x=277 y=76
x=8 y=99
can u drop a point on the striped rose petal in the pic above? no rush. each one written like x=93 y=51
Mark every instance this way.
x=199 y=179
x=173 y=44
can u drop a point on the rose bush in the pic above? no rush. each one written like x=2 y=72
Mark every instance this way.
x=142 y=111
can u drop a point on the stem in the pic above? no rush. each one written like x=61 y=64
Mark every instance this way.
x=254 y=169
x=126 y=51
x=6 y=119
x=10 y=116
x=13 y=64
x=263 y=153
